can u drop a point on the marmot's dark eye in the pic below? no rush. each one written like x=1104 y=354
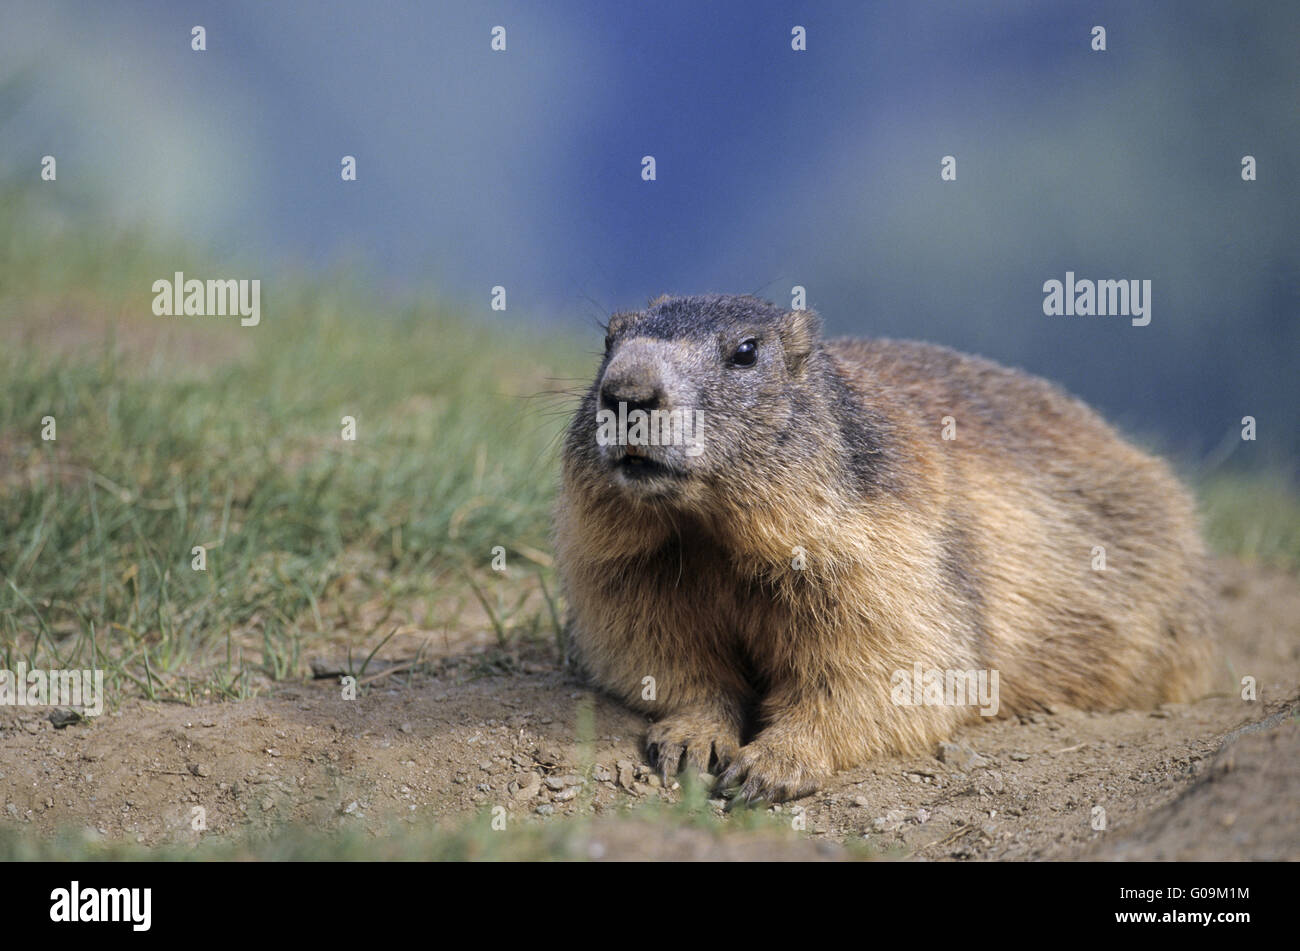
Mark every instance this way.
x=745 y=354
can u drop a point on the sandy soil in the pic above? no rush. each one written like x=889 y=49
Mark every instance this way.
x=1214 y=779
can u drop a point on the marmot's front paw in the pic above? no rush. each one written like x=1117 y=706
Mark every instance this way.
x=703 y=737
x=771 y=771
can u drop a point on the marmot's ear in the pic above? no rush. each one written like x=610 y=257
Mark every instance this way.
x=800 y=332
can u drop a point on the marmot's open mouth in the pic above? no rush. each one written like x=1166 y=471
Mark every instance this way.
x=642 y=467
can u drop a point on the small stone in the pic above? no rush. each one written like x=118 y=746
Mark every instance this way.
x=1019 y=757
x=405 y=728
x=566 y=794
x=948 y=752
x=546 y=809
x=201 y=769
x=554 y=783
x=267 y=804
x=526 y=786
x=64 y=718
x=861 y=801
x=891 y=821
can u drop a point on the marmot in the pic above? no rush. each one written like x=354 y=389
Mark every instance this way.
x=851 y=512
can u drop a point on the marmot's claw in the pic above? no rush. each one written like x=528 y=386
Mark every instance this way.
x=666 y=757
x=763 y=774
x=700 y=738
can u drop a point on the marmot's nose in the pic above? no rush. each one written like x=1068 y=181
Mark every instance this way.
x=638 y=390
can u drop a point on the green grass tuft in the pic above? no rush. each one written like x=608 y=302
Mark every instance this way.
x=184 y=431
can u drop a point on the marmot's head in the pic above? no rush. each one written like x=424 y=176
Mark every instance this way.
x=697 y=396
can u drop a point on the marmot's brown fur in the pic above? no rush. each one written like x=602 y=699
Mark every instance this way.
x=824 y=535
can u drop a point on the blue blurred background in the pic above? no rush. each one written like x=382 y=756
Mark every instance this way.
x=775 y=167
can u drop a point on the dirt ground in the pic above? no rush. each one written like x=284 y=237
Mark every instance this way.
x=1216 y=779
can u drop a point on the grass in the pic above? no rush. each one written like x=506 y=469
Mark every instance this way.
x=172 y=433
x=646 y=833
x=1255 y=517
